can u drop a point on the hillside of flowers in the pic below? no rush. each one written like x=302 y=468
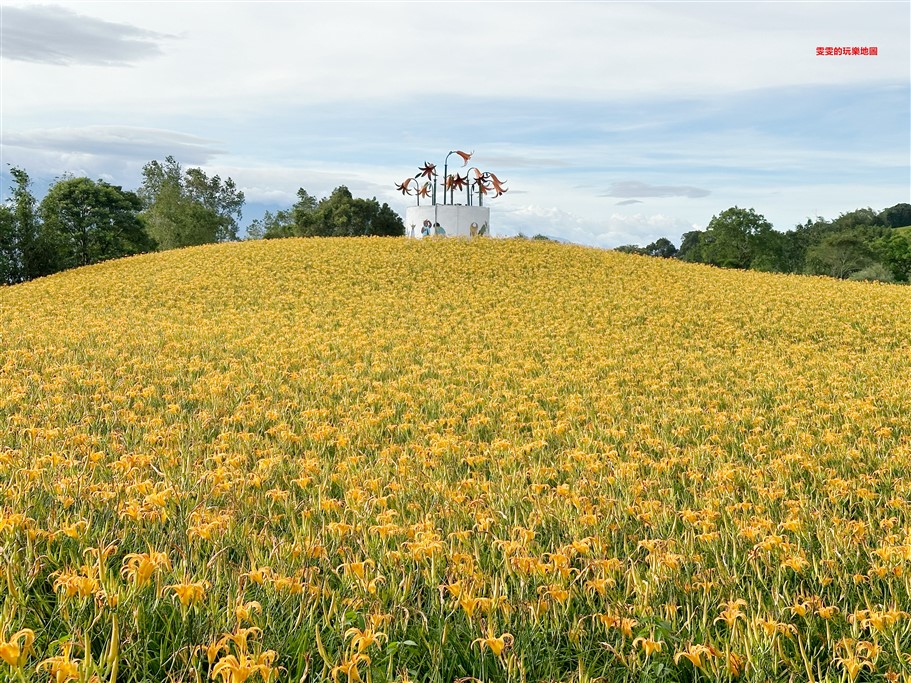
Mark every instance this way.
x=379 y=459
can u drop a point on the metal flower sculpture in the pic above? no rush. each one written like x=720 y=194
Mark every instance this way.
x=484 y=182
x=498 y=185
x=428 y=170
x=404 y=188
x=456 y=182
x=465 y=157
x=480 y=185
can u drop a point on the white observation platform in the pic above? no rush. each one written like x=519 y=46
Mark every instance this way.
x=447 y=220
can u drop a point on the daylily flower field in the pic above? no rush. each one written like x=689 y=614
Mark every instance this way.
x=500 y=460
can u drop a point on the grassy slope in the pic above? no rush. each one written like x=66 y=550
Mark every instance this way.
x=674 y=415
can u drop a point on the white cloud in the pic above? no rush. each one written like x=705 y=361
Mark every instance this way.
x=48 y=34
x=614 y=230
x=117 y=141
x=254 y=55
x=635 y=188
x=113 y=153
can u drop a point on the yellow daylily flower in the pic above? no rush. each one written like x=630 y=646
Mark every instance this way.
x=189 y=593
x=62 y=668
x=362 y=639
x=649 y=646
x=698 y=655
x=15 y=650
x=139 y=567
x=496 y=644
x=349 y=667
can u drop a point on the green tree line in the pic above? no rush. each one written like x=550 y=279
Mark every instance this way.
x=858 y=245
x=82 y=221
x=338 y=215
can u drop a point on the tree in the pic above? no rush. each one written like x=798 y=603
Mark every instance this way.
x=770 y=253
x=875 y=272
x=839 y=255
x=630 y=249
x=896 y=216
x=735 y=237
x=188 y=208
x=270 y=225
x=894 y=251
x=84 y=222
x=10 y=258
x=662 y=248
x=858 y=218
x=20 y=254
x=298 y=221
x=802 y=237
x=382 y=220
x=339 y=214
x=691 y=246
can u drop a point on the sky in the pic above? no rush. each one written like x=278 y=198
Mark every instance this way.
x=611 y=122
